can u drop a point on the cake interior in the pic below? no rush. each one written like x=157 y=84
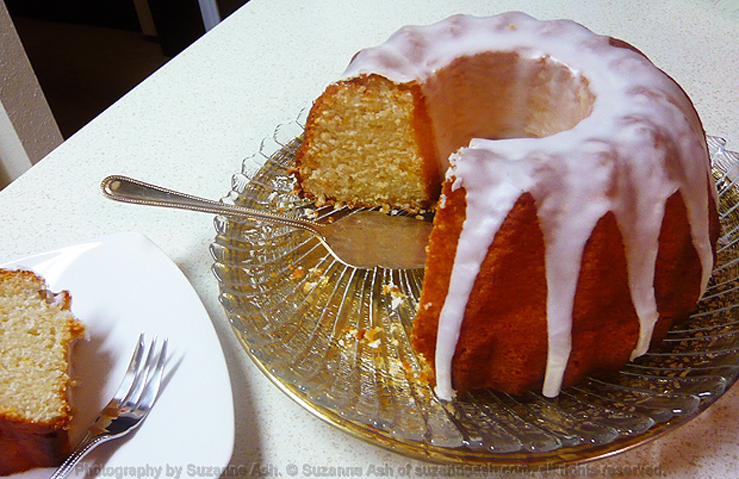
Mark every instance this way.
x=363 y=151
x=35 y=335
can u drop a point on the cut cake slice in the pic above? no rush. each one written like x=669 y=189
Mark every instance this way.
x=37 y=331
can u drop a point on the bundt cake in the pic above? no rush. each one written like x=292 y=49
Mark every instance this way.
x=575 y=209
x=36 y=333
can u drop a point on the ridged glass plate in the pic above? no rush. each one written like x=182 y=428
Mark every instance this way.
x=336 y=340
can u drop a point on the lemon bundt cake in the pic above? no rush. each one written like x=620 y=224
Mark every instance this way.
x=36 y=333
x=575 y=209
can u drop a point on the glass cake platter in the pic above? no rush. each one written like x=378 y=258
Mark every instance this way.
x=336 y=340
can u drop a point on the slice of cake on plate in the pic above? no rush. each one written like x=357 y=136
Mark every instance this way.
x=37 y=331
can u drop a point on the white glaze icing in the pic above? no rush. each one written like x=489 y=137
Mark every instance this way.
x=612 y=160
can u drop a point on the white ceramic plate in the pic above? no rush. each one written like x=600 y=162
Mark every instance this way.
x=122 y=285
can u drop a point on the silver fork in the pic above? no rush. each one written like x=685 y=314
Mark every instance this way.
x=131 y=403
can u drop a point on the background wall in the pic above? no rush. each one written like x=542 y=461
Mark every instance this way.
x=62 y=62
x=28 y=130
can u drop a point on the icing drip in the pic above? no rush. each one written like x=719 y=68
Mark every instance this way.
x=637 y=144
x=485 y=214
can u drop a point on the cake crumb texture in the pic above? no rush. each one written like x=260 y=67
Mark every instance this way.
x=362 y=150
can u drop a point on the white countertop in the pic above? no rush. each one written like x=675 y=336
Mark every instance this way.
x=190 y=124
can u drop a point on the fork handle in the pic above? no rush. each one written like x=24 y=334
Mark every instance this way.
x=86 y=445
x=128 y=190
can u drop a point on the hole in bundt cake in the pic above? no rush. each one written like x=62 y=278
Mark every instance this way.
x=499 y=95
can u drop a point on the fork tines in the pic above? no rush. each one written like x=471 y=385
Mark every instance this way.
x=141 y=383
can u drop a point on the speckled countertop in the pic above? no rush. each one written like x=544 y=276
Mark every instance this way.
x=190 y=124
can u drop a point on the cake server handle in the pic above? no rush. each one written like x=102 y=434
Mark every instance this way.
x=128 y=190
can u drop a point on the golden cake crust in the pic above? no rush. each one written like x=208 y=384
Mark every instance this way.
x=503 y=340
